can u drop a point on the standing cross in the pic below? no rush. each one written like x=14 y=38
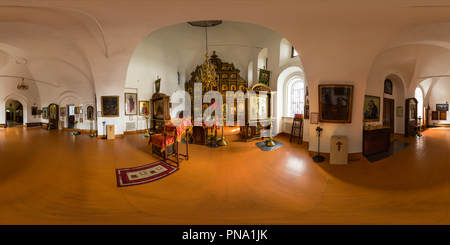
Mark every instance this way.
x=339 y=145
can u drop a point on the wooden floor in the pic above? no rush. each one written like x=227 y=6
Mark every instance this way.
x=52 y=177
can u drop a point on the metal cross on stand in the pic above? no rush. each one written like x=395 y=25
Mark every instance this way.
x=339 y=145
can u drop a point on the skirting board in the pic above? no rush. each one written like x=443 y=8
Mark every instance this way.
x=351 y=156
x=136 y=131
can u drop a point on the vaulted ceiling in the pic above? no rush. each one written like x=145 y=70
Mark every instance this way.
x=337 y=40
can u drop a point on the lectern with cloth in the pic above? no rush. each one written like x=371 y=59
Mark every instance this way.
x=166 y=145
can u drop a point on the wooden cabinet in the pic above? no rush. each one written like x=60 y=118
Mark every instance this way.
x=160 y=111
x=410 y=116
x=199 y=135
x=53 y=116
x=376 y=140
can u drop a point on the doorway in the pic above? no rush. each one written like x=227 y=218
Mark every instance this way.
x=388 y=114
x=71 y=117
x=14 y=114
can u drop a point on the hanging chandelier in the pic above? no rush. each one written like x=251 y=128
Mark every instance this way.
x=207 y=73
x=22 y=85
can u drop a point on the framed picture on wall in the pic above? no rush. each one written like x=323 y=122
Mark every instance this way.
x=144 y=108
x=110 y=106
x=62 y=111
x=45 y=113
x=335 y=103
x=371 y=108
x=34 y=110
x=314 y=118
x=131 y=104
x=441 y=107
x=387 y=86
x=399 y=111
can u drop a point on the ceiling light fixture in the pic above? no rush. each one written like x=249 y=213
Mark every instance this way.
x=22 y=85
x=207 y=73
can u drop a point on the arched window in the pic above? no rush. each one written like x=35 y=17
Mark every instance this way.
x=419 y=97
x=296 y=95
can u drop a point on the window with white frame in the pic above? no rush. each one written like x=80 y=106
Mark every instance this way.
x=294 y=52
x=419 y=97
x=296 y=95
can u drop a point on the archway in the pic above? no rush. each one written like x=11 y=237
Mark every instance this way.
x=181 y=48
x=14 y=113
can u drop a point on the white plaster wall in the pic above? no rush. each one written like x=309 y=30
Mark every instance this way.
x=439 y=94
x=52 y=64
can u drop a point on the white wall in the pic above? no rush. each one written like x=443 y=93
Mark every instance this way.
x=439 y=94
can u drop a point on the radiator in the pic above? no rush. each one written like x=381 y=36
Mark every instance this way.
x=131 y=126
x=287 y=127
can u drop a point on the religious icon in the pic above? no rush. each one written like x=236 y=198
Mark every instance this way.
x=371 y=108
x=52 y=114
x=110 y=106
x=143 y=108
x=90 y=113
x=131 y=103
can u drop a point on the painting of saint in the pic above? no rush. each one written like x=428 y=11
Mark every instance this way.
x=53 y=112
x=159 y=109
x=63 y=111
x=258 y=107
x=45 y=113
x=143 y=108
x=371 y=108
x=131 y=103
x=90 y=113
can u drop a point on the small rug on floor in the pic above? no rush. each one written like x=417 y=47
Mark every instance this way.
x=262 y=145
x=144 y=174
x=396 y=147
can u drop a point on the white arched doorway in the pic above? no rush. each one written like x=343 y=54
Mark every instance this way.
x=16 y=106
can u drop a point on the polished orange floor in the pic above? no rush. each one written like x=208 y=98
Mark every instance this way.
x=52 y=177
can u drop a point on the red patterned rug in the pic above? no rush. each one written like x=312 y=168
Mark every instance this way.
x=143 y=174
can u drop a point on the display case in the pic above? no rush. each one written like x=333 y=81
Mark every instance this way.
x=53 y=116
x=410 y=116
x=160 y=111
x=257 y=112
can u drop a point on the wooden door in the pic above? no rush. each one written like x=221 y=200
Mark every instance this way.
x=442 y=115
x=388 y=113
